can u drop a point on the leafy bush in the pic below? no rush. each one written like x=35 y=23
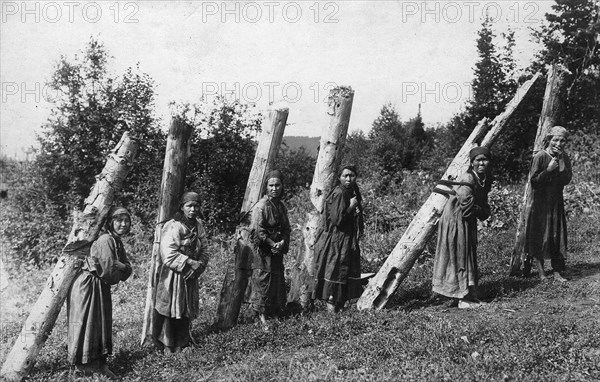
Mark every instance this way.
x=32 y=225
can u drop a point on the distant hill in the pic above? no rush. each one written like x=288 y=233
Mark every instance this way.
x=310 y=144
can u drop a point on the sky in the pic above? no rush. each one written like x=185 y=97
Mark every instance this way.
x=403 y=52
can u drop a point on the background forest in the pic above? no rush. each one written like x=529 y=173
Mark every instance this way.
x=399 y=159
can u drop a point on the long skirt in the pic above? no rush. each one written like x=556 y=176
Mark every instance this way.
x=268 y=293
x=171 y=332
x=337 y=267
x=455 y=263
x=89 y=312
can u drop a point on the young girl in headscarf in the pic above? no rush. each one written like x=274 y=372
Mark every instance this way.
x=183 y=257
x=455 y=270
x=89 y=304
x=546 y=235
x=270 y=229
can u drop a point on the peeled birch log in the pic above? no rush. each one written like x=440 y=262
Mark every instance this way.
x=423 y=225
x=238 y=269
x=86 y=227
x=550 y=116
x=171 y=188
x=330 y=156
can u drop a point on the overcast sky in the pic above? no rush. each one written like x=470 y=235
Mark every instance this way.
x=403 y=52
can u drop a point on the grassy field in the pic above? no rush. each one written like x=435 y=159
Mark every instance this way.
x=529 y=330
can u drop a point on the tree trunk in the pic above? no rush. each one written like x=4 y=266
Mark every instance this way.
x=171 y=188
x=423 y=225
x=86 y=227
x=328 y=161
x=238 y=269
x=550 y=116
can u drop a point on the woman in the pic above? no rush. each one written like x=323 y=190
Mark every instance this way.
x=455 y=272
x=337 y=253
x=183 y=257
x=89 y=304
x=271 y=239
x=546 y=235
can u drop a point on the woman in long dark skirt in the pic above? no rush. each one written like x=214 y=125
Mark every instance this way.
x=183 y=258
x=271 y=239
x=546 y=235
x=337 y=251
x=89 y=304
x=455 y=270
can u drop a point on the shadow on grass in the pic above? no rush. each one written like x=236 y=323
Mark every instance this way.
x=580 y=271
x=490 y=289
x=414 y=297
x=420 y=296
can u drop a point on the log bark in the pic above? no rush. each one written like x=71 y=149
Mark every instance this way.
x=329 y=158
x=423 y=225
x=549 y=117
x=86 y=228
x=238 y=269
x=171 y=188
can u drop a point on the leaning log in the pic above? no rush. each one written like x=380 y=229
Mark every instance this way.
x=423 y=225
x=238 y=269
x=171 y=188
x=550 y=116
x=86 y=228
x=330 y=156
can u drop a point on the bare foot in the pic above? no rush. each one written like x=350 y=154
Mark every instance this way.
x=86 y=369
x=558 y=277
x=465 y=304
x=107 y=372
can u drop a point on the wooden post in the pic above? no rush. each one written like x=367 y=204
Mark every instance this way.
x=238 y=268
x=330 y=156
x=86 y=227
x=550 y=116
x=171 y=188
x=423 y=225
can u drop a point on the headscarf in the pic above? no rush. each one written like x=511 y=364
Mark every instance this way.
x=479 y=150
x=274 y=174
x=190 y=197
x=558 y=130
x=350 y=167
x=113 y=213
x=116 y=211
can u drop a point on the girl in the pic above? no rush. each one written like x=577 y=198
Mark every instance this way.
x=89 y=304
x=455 y=271
x=546 y=235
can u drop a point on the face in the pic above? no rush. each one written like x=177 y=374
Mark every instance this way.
x=480 y=164
x=191 y=209
x=347 y=178
x=274 y=187
x=557 y=144
x=121 y=224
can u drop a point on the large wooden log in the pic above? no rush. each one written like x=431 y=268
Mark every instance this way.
x=177 y=153
x=550 y=116
x=330 y=156
x=238 y=269
x=423 y=225
x=86 y=227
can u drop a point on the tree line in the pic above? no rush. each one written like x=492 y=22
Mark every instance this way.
x=93 y=107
